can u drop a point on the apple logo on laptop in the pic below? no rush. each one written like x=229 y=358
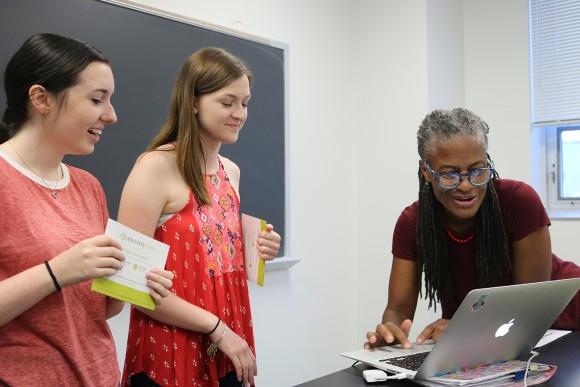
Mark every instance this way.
x=504 y=329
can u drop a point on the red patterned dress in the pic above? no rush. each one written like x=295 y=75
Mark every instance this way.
x=206 y=255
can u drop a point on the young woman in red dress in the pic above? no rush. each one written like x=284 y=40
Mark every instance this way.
x=182 y=192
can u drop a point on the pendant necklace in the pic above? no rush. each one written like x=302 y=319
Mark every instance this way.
x=457 y=240
x=53 y=192
x=215 y=180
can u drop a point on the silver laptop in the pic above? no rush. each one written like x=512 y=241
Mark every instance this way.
x=491 y=325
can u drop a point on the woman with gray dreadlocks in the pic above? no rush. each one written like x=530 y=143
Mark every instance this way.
x=469 y=229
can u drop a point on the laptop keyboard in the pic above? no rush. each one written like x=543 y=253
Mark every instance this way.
x=411 y=362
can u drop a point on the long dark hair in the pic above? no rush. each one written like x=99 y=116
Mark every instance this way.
x=49 y=60
x=492 y=252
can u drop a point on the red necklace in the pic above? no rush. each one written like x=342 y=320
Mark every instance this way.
x=457 y=240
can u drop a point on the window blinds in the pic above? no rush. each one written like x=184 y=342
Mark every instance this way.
x=555 y=56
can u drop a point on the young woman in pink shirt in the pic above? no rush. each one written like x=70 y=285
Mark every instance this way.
x=53 y=328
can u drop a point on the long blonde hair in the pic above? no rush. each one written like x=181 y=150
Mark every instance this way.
x=205 y=71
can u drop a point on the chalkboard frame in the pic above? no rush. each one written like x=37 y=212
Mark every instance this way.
x=254 y=161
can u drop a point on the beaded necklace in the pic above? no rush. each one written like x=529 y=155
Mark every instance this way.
x=457 y=240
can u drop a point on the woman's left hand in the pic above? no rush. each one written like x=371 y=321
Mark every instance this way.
x=269 y=243
x=159 y=281
x=433 y=331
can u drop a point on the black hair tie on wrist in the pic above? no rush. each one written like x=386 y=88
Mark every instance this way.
x=214 y=328
x=52 y=276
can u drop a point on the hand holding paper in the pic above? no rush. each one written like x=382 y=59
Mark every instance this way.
x=268 y=243
x=141 y=254
x=252 y=227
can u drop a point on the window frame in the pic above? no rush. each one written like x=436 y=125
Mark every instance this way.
x=548 y=170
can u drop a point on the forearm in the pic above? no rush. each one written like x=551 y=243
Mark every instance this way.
x=532 y=257
x=24 y=290
x=392 y=316
x=403 y=292
x=180 y=313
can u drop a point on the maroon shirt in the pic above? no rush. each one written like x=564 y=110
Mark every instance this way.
x=522 y=212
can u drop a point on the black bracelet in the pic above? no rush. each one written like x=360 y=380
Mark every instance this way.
x=214 y=328
x=52 y=276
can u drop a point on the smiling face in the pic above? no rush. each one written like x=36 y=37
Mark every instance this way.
x=78 y=122
x=222 y=114
x=458 y=154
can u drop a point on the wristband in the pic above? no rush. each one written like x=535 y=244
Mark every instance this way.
x=56 y=285
x=214 y=328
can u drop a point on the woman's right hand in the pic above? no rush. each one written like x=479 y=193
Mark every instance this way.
x=389 y=334
x=94 y=257
x=238 y=351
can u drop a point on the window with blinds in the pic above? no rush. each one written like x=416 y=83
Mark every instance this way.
x=555 y=58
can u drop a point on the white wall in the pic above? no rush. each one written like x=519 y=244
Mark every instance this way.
x=445 y=54
x=497 y=79
x=363 y=74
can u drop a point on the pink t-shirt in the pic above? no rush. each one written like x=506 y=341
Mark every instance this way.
x=64 y=340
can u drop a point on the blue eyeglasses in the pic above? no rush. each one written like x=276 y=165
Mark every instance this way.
x=452 y=180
